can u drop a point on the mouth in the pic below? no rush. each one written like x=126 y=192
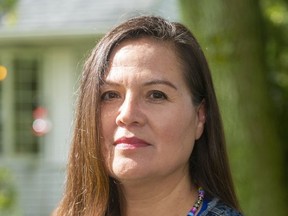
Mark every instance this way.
x=130 y=143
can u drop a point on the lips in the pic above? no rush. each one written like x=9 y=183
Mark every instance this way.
x=130 y=143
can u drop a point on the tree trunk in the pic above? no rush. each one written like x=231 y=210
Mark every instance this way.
x=232 y=36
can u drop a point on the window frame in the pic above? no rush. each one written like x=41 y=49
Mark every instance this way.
x=8 y=110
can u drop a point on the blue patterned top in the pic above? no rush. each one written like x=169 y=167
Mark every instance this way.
x=215 y=208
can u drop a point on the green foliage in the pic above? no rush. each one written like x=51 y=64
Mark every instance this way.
x=275 y=11
x=7 y=192
x=6 y=5
x=276 y=18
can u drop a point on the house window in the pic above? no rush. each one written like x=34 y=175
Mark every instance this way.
x=25 y=101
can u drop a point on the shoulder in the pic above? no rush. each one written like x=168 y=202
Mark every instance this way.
x=217 y=208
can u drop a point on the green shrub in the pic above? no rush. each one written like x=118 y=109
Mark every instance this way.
x=7 y=192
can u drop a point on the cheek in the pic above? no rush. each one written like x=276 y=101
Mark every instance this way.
x=107 y=133
x=178 y=132
x=108 y=154
x=179 y=121
x=108 y=122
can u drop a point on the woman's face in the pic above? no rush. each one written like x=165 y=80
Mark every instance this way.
x=149 y=123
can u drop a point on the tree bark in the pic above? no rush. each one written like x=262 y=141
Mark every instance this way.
x=232 y=36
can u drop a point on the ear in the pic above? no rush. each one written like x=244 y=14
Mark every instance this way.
x=201 y=119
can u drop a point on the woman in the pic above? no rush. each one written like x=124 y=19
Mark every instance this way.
x=148 y=137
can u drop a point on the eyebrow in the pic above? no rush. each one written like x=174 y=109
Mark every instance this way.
x=161 y=82
x=105 y=82
x=152 y=82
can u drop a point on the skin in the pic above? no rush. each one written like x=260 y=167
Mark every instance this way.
x=145 y=98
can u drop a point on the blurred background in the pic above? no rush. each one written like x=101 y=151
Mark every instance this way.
x=43 y=44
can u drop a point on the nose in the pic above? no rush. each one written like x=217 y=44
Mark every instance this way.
x=130 y=112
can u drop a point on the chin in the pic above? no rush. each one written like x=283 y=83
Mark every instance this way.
x=128 y=175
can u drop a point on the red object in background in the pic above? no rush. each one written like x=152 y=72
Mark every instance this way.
x=39 y=112
x=41 y=125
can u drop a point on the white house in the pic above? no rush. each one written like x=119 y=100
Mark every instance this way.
x=42 y=46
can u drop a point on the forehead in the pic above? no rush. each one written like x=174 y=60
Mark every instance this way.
x=144 y=51
x=144 y=58
x=148 y=45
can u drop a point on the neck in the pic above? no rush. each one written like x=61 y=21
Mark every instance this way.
x=172 y=195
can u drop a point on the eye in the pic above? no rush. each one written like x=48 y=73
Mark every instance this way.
x=157 y=95
x=109 y=95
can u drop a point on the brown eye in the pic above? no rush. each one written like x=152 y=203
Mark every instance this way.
x=157 y=95
x=109 y=95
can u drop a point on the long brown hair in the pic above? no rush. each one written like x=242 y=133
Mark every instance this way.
x=89 y=189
